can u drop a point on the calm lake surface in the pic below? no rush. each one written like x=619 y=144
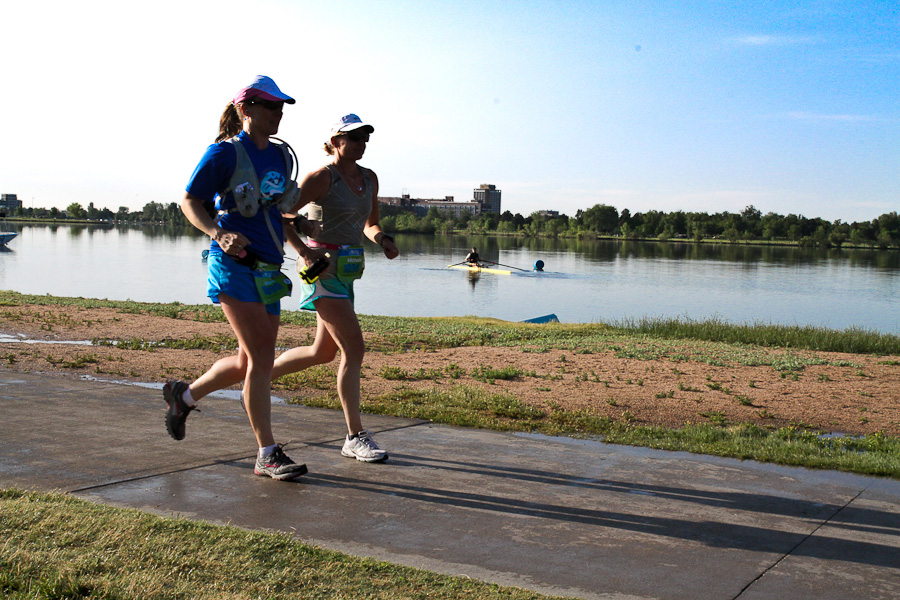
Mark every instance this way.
x=583 y=281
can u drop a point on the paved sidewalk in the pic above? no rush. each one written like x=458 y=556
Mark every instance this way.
x=559 y=516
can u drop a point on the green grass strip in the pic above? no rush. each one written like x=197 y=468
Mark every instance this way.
x=853 y=340
x=59 y=547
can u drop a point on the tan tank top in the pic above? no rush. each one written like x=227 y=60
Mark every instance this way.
x=341 y=212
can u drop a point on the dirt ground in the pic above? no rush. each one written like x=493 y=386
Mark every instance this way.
x=853 y=394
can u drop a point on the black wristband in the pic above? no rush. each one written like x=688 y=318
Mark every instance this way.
x=383 y=236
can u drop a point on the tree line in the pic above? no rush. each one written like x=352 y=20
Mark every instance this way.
x=603 y=220
x=153 y=212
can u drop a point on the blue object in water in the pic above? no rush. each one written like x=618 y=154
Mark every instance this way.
x=538 y=265
x=551 y=318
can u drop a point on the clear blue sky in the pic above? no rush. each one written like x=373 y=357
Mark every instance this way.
x=793 y=107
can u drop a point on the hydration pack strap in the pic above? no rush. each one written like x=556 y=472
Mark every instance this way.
x=271 y=227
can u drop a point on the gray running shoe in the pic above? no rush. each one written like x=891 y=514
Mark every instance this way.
x=278 y=466
x=178 y=410
x=363 y=447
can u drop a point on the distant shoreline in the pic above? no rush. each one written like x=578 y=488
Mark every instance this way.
x=618 y=238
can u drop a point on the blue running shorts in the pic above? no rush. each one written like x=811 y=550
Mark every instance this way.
x=228 y=277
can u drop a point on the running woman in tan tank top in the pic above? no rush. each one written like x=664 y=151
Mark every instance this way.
x=343 y=198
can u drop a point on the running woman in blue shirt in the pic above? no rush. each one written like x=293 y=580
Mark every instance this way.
x=245 y=180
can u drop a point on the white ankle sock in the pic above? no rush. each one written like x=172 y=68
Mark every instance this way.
x=267 y=450
x=188 y=399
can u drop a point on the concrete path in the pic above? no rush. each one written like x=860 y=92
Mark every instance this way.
x=559 y=516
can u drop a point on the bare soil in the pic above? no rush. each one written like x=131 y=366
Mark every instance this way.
x=855 y=394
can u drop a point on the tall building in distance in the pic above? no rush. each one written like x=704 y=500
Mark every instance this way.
x=488 y=196
x=9 y=203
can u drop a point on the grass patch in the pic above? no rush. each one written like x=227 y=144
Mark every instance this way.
x=875 y=454
x=489 y=374
x=57 y=547
x=399 y=374
x=319 y=377
x=462 y=406
x=216 y=343
x=853 y=340
x=78 y=363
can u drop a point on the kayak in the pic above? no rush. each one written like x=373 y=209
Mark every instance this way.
x=479 y=269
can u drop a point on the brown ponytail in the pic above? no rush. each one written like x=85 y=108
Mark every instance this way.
x=230 y=123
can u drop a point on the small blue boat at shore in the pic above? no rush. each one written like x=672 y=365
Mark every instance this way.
x=551 y=318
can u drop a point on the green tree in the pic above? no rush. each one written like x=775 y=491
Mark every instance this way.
x=732 y=234
x=674 y=224
x=388 y=223
x=601 y=218
x=752 y=220
x=773 y=226
x=506 y=227
x=75 y=211
x=888 y=226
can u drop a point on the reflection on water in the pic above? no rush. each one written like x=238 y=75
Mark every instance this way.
x=610 y=250
x=583 y=280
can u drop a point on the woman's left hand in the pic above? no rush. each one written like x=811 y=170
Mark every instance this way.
x=390 y=248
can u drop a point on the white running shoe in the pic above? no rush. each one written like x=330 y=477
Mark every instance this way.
x=363 y=447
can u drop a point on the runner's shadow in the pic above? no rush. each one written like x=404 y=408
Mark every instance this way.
x=732 y=500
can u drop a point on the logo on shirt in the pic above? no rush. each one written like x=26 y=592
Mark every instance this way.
x=271 y=185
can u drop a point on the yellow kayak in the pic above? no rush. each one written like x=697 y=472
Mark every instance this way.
x=479 y=269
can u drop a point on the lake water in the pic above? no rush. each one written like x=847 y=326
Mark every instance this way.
x=583 y=281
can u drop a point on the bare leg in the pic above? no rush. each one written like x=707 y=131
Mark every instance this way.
x=226 y=372
x=256 y=331
x=340 y=322
x=322 y=351
x=337 y=329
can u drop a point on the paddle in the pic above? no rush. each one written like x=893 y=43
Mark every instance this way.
x=502 y=265
x=456 y=264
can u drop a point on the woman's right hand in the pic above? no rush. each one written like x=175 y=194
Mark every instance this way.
x=231 y=242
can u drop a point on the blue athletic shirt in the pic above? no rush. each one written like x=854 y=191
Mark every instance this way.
x=211 y=179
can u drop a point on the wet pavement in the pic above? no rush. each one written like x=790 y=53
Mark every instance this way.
x=555 y=515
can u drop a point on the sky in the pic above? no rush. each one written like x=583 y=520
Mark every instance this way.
x=711 y=106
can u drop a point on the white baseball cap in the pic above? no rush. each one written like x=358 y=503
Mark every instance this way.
x=349 y=123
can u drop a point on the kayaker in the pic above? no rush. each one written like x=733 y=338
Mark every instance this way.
x=472 y=257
